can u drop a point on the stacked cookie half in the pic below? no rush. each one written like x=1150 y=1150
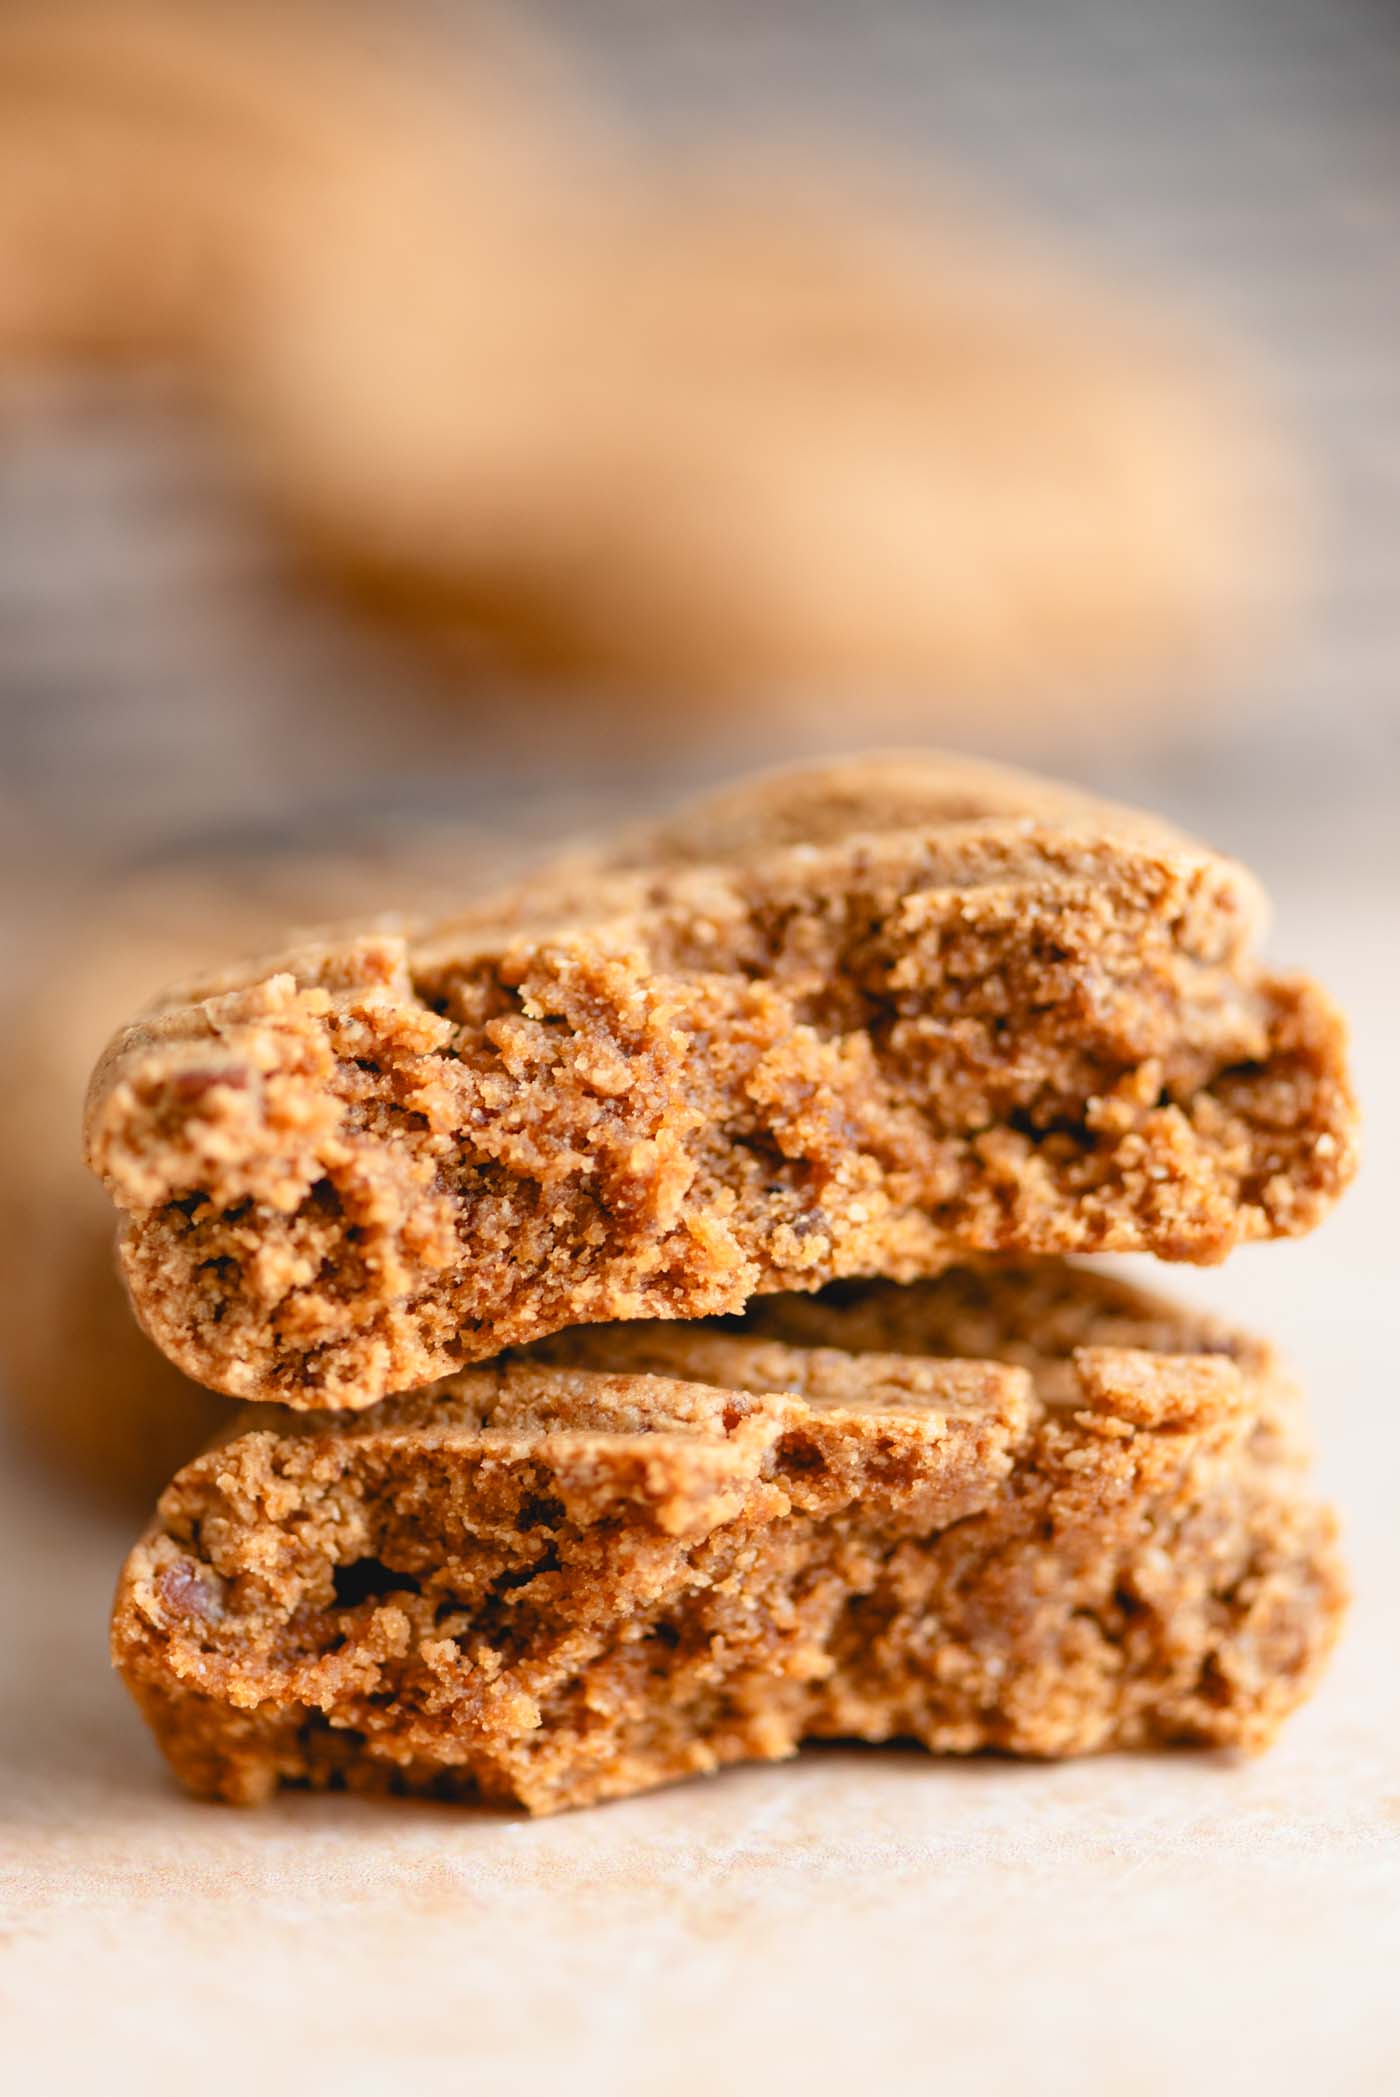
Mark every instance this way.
x=656 y=1295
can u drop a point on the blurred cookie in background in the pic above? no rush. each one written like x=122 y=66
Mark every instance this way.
x=86 y=1388
x=764 y=442
x=149 y=150
x=623 y=424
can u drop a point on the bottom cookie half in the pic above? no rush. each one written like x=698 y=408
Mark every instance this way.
x=653 y=1550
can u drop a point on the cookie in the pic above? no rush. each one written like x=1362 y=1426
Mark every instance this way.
x=798 y=448
x=629 y=1092
x=824 y=802
x=802 y=440
x=154 y=152
x=547 y=1584
x=1032 y=1314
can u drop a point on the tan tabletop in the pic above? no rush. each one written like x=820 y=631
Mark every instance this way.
x=855 y=1919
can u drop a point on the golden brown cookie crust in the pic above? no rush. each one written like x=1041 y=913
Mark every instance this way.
x=1031 y=1314
x=827 y=801
x=662 y=1091
x=550 y=1585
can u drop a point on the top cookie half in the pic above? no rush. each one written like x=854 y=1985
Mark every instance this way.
x=862 y=1020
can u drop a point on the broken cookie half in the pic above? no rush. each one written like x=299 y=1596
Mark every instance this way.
x=646 y=1552
x=871 y=1020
